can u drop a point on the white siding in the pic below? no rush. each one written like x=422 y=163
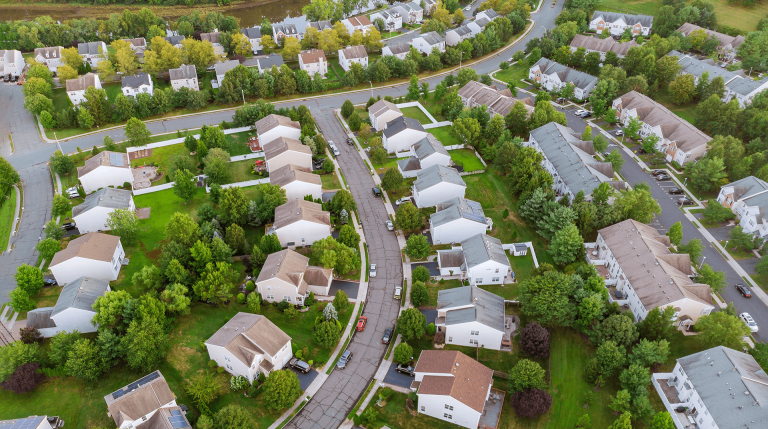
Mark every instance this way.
x=472 y=334
x=77 y=267
x=274 y=289
x=438 y=406
x=302 y=233
x=185 y=83
x=380 y=123
x=279 y=131
x=437 y=194
x=489 y=272
x=403 y=140
x=75 y=318
x=297 y=190
x=456 y=231
x=105 y=176
x=290 y=157
x=95 y=219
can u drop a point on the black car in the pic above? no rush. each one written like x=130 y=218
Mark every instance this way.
x=318 y=164
x=406 y=369
x=684 y=201
x=49 y=282
x=676 y=191
x=376 y=192
x=387 y=336
x=350 y=141
x=745 y=292
x=662 y=177
x=68 y=226
x=300 y=365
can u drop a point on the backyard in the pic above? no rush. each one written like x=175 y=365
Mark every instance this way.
x=467 y=159
x=444 y=135
x=415 y=113
x=733 y=15
x=330 y=181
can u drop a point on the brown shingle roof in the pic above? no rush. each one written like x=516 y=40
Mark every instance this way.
x=464 y=379
x=102 y=159
x=272 y=121
x=318 y=276
x=211 y=37
x=82 y=82
x=141 y=401
x=94 y=245
x=286 y=265
x=359 y=20
x=313 y=56
x=296 y=210
x=290 y=173
x=284 y=144
x=246 y=334
x=355 y=52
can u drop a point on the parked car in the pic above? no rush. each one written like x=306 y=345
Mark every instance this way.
x=318 y=164
x=390 y=225
x=749 y=321
x=657 y=172
x=344 y=359
x=579 y=112
x=333 y=148
x=406 y=369
x=744 y=290
x=350 y=141
x=676 y=191
x=361 y=323
x=685 y=201
x=468 y=7
x=49 y=281
x=387 y=337
x=376 y=192
x=403 y=200
x=373 y=270
x=398 y=292
x=586 y=114
x=300 y=365
x=662 y=177
x=619 y=132
x=561 y=100
x=68 y=226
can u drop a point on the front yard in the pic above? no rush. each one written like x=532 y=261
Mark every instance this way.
x=6 y=219
x=514 y=75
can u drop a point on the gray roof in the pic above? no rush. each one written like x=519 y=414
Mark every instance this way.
x=224 y=67
x=400 y=124
x=81 y=294
x=321 y=25
x=252 y=33
x=490 y=13
x=432 y=38
x=437 y=174
x=90 y=48
x=485 y=307
x=644 y=20
x=136 y=80
x=174 y=40
x=399 y=48
x=747 y=187
x=732 y=386
x=40 y=318
x=428 y=146
x=697 y=67
x=271 y=60
x=183 y=72
x=745 y=86
x=105 y=197
x=25 y=423
x=409 y=164
x=287 y=29
x=461 y=31
x=457 y=208
x=482 y=248
x=482 y=22
x=566 y=74
x=387 y=14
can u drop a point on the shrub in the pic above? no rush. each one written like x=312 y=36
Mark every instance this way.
x=420 y=274
x=431 y=329
x=283 y=305
x=534 y=340
x=241 y=298
x=238 y=383
x=24 y=379
x=250 y=286
x=220 y=369
x=212 y=364
x=531 y=403
x=504 y=65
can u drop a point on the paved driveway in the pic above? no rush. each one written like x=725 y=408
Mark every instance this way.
x=396 y=378
x=430 y=314
x=350 y=288
x=434 y=270
x=304 y=379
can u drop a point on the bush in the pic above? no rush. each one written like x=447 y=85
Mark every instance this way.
x=354 y=122
x=250 y=286
x=504 y=65
x=431 y=329
x=220 y=369
x=347 y=108
x=420 y=274
x=531 y=403
x=283 y=305
x=238 y=383
x=403 y=353
x=251 y=392
x=212 y=364
x=24 y=379
x=534 y=340
x=241 y=298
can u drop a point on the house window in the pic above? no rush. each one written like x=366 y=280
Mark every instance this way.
x=449 y=407
x=474 y=332
x=473 y=342
x=286 y=298
x=270 y=297
x=269 y=287
x=497 y=270
x=448 y=416
x=480 y=280
x=495 y=279
x=423 y=408
x=450 y=339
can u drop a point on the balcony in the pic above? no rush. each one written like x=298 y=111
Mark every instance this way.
x=614 y=297
x=671 y=400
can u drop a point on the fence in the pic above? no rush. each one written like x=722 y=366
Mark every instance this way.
x=469 y=173
x=181 y=140
x=454 y=147
x=235 y=158
x=437 y=124
x=241 y=184
x=157 y=188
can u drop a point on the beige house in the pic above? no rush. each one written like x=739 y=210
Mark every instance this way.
x=603 y=46
x=76 y=87
x=287 y=276
x=283 y=151
x=184 y=77
x=146 y=403
x=50 y=56
x=498 y=102
x=313 y=61
x=301 y=223
x=351 y=55
x=273 y=126
x=93 y=255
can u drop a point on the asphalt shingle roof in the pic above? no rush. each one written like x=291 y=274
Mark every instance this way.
x=485 y=307
x=482 y=248
x=644 y=20
x=183 y=72
x=566 y=74
x=271 y=60
x=105 y=197
x=436 y=174
x=136 y=80
x=432 y=38
x=457 y=208
x=80 y=294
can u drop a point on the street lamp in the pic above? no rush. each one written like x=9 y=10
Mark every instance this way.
x=57 y=141
x=702 y=261
x=685 y=180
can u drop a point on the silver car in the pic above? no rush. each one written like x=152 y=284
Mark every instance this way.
x=373 y=270
x=344 y=359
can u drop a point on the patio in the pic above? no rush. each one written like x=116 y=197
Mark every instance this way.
x=510 y=326
x=143 y=176
x=492 y=410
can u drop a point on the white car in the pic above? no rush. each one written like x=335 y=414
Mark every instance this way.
x=619 y=132
x=579 y=112
x=749 y=321
x=403 y=200
x=333 y=148
x=373 y=270
x=398 y=292
x=468 y=7
x=390 y=225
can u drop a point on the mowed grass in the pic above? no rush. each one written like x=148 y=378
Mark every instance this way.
x=467 y=159
x=416 y=113
x=330 y=181
x=444 y=135
x=238 y=143
x=242 y=171
x=163 y=157
x=743 y=18
x=684 y=111
x=164 y=204
x=6 y=219
x=513 y=75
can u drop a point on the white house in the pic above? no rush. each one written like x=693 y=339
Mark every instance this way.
x=33 y=422
x=254 y=36
x=273 y=126
x=313 y=61
x=729 y=45
x=92 y=52
x=554 y=76
x=617 y=23
x=73 y=310
x=480 y=258
x=678 y=138
x=748 y=200
x=411 y=12
x=249 y=345
x=271 y=60
x=221 y=69
x=488 y=14
x=137 y=84
x=287 y=276
x=426 y=42
x=455 y=36
x=50 y=57
x=93 y=213
x=424 y=154
x=602 y=46
x=401 y=133
x=321 y=25
x=138 y=45
x=477 y=26
x=382 y=112
x=570 y=161
x=283 y=151
x=76 y=87
x=93 y=255
x=184 y=77
x=642 y=273
x=715 y=388
x=393 y=20
x=213 y=39
x=430 y=7
x=399 y=50
x=301 y=223
x=279 y=31
x=146 y=403
x=105 y=169
x=298 y=182
x=470 y=316
x=456 y=220
x=358 y=23
x=696 y=67
x=435 y=184
x=498 y=102
x=744 y=90
x=11 y=63
x=452 y=387
x=353 y=54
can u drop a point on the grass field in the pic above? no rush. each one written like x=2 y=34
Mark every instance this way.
x=330 y=181
x=444 y=135
x=684 y=111
x=513 y=75
x=238 y=143
x=163 y=157
x=415 y=113
x=242 y=171
x=164 y=204
x=467 y=159
x=6 y=219
x=743 y=18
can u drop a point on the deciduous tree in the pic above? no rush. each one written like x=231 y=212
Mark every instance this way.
x=411 y=324
x=721 y=329
x=526 y=374
x=281 y=389
x=136 y=132
x=403 y=353
x=534 y=340
x=417 y=247
x=419 y=294
x=531 y=403
x=125 y=224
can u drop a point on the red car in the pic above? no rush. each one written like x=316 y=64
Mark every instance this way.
x=361 y=323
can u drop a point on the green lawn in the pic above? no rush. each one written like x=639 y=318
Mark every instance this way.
x=382 y=168
x=238 y=143
x=737 y=252
x=743 y=18
x=6 y=219
x=330 y=181
x=164 y=204
x=242 y=171
x=163 y=156
x=416 y=113
x=431 y=105
x=514 y=75
x=444 y=135
x=466 y=158
x=684 y=111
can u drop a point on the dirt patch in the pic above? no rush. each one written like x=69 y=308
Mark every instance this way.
x=155 y=254
x=144 y=153
x=143 y=213
x=179 y=357
x=513 y=216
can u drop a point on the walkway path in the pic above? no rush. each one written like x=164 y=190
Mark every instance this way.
x=16 y=218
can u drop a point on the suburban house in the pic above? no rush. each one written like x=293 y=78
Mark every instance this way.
x=715 y=388
x=93 y=213
x=353 y=54
x=254 y=36
x=298 y=182
x=358 y=23
x=184 y=77
x=92 y=52
x=728 y=44
x=104 y=170
x=11 y=63
x=33 y=422
x=50 y=57
x=213 y=38
x=554 y=76
x=642 y=273
x=175 y=41
x=285 y=150
x=271 y=60
x=744 y=90
x=221 y=69
x=488 y=14
x=426 y=42
x=393 y=20
x=249 y=345
x=301 y=223
x=411 y=12
x=570 y=161
x=287 y=276
x=455 y=36
x=273 y=126
x=314 y=61
x=401 y=133
x=748 y=200
x=617 y=23
x=477 y=26
x=94 y=255
x=321 y=25
x=137 y=84
x=457 y=220
x=697 y=67
x=430 y=6
x=382 y=112
x=603 y=46
x=452 y=387
x=73 y=310
x=76 y=87
x=498 y=102
x=146 y=403
x=138 y=45
x=279 y=31
x=425 y=153
x=678 y=138
x=470 y=316
x=480 y=259
x=399 y=50
x=435 y=184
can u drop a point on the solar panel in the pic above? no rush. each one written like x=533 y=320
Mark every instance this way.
x=136 y=384
x=116 y=159
x=177 y=419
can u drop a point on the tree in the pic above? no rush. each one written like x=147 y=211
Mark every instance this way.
x=217 y=166
x=682 y=89
x=234 y=416
x=342 y=200
x=268 y=197
x=721 y=329
x=531 y=403
x=413 y=89
x=203 y=388
x=145 y=344
x=648 y=353
x=254 y=302
x=63 y=343
x=534 y=340
x=341 y=301
x=182 y=229
x=744 y=240
x=403 y=353
x=125 y=224
x=109 y=308
x=347 y=109
x=467 y=130
x=349 y=237
x=148 y=278
x=623 y=422
x=176 y=299
x=420 y=274
x=635 y=379
x=16 y=354
x=545 y=298
x=411 y=324
x=567 y=245
x=610 y=358
x=24 y=379
x=61 y=206
x=39 y=104
x=29 y=278
x=20 y=300
x=754 y=50
x=656 y=325
x=392 y=179
x=637 y=204
x=184 y=185
x=632 y=129
x=615 y=159
x=61 y=164
x=281 y=389
x=621 y=402
x=693 y=248
x=675 y=233
x=417 y=247
x=527 y=374
x=419 y=294
x=215 y=282
x=234 y=204
x=465 y=75
x=708 y=174
x=408 y=217
x=662 y=420
x=618 y=328
x=84 y=361
x=235 y=238
x=327 y=333
x=136 y=132
x=715 y=279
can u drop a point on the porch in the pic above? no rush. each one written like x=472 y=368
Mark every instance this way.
x=617 y=296
x=677 y=409
x=510 y=326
